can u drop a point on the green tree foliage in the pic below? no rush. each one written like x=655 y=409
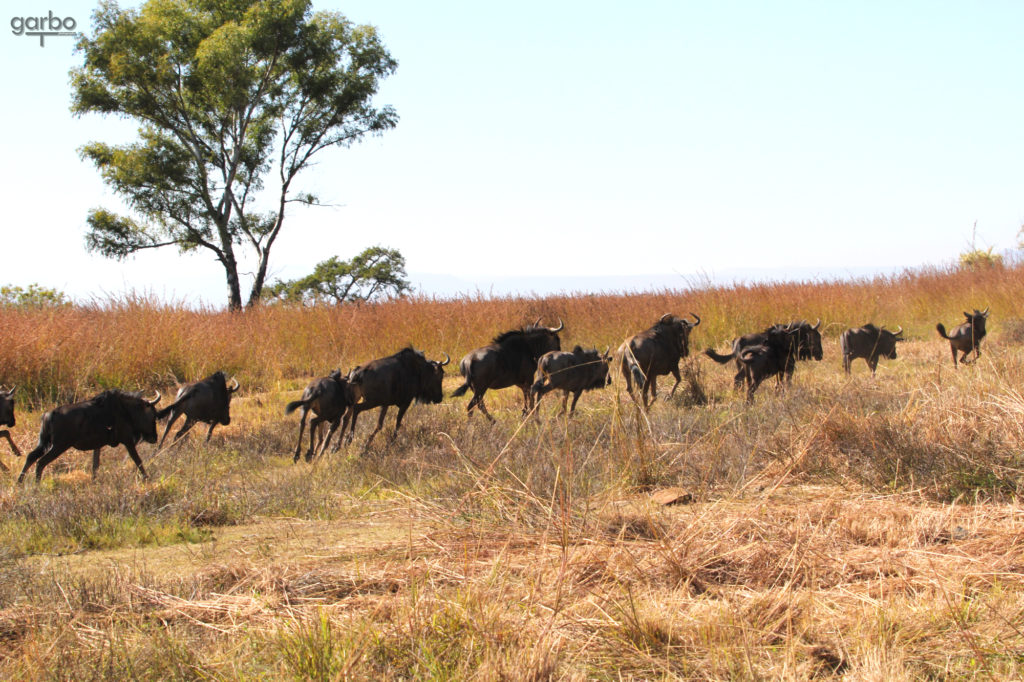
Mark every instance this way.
x=34 y=296
x=980 y=259
x=375 y=273
x=233 y=99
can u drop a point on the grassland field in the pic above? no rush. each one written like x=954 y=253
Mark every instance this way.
x=845 y=528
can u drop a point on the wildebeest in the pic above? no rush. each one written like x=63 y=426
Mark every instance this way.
x=328 y=398
x=869 y=342
x=7 y=419
x=509 y=361
x=773 y=356
x=804 y=344
x=966 y=337
x=109 y=419
x=808 y=340
x=395 y=380
x=656 y=351
x=207 y=401
x=575 y=372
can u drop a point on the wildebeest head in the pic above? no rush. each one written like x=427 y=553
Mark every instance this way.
x=808 y=339
x=226 y=417
x=977 y=321
x=431 y=376
x=7 y=407
x=887 y=341
x=141 y=414
x=679 y=328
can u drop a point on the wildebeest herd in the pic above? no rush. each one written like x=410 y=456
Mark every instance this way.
x=529 y=358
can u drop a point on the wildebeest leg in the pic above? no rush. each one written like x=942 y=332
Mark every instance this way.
x=327 y=440
x=483 y=408
x=847 y=362
x=398 y=419
x=380 y=425
x=189 y=423
x=344 y=424
x=575 y=397
x=31 y=459
x=302 y=426
x=352 y=424
x=953 y=348
x=751 y=387
x=652 y=386
x=527 y=402
x=95 y=462
x=739 y=380
x=51 y=454
x=135 y=458
x=873 y=364
x=170 y=420
x=679 y=379
x=565 y=401
x=7 y=434
x=210 y=432
x=315 y=438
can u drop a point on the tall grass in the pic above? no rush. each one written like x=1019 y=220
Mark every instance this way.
x=137 y=342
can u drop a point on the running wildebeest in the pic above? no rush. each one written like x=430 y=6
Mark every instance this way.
x=207 y=401
x=656 y=351
x=575 y=372
x=328 y=398
x=510 y=360
x=804 y=340
x=395 y=380
x=774 y=356
x=966 y=337
x=109 y=419
x=869 y=342
x=7 y=419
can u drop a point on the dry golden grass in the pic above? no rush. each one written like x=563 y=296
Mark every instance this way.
x=846 y=527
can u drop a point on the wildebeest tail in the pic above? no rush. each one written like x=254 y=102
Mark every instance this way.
x=720 y=359
x=294 y=405
x=162 y=414
x=461 y=390
x=941 y=330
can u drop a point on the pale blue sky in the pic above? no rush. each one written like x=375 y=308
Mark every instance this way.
x=590 y=140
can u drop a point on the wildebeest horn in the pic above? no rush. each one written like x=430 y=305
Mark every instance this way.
x=694 y=316
x=898 y=331
x=10 y=391
x=537 y=323
x=155 y=400
x=816 y=325
x=666 y=318
x=237 y=386
x=555 y=330
x=447 y=359
x=985 y=312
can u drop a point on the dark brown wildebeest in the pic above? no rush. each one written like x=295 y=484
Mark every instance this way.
x=328 y=398
x=966 y=337
x=509 y=361
x=869 y=342
x=808 y=340
x=656 y=351
x=395 y=380
x=774 y=356
x=109 y=419
x=575 y=372
x=805 y=344
x=207 y=401
x=7 y=419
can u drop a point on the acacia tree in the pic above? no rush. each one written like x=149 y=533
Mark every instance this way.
x=229 y=94
x=375 y=273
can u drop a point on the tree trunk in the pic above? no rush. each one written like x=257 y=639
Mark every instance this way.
x=234 y=286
